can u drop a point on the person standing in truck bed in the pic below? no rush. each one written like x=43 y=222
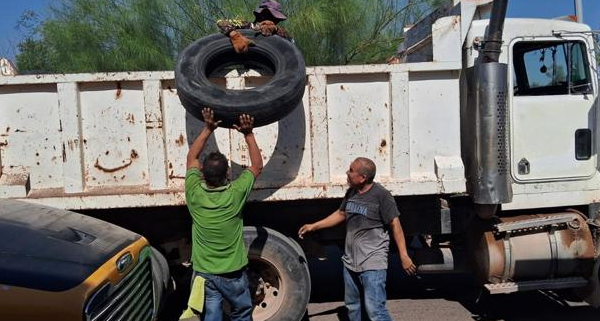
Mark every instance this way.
x=268 y=14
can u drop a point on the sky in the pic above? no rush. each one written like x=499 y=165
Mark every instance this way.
x=11 y=11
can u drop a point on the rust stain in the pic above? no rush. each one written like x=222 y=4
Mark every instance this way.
x=18 y=179
x=2 y=144
x=134 y=154
x=111 y=170
x=170 y=165
x=180 y=141
x=7 y=129
x=455 y=21
x=131 y=118
x=342 y=87
x=64 y=153
x=106 y=153
x=576 y=242
x=118 y=94
x=128 y=138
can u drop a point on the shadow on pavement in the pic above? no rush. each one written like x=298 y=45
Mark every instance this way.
x=561 y=305
x=328 y=287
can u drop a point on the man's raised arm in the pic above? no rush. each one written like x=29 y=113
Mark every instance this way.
x=245 y=127
x=198 y=145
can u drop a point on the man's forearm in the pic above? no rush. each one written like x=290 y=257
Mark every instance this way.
x=198 y=145
x=226 y=26
x=332 y=220
x=255 y=156
x=399 y=237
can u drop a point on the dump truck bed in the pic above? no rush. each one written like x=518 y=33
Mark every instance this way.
x=106 y=140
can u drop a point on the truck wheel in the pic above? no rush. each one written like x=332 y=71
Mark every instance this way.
x=267 y=103
x=278 y=274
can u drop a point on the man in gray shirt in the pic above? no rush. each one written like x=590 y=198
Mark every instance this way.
x=369 y=211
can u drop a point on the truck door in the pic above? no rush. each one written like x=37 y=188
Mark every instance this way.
x=552 y=115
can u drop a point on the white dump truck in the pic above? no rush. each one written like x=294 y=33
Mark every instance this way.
x=486 y=134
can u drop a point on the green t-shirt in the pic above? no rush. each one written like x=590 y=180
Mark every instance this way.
x=217 y=243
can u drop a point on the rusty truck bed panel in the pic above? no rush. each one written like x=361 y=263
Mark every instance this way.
x=84 y=141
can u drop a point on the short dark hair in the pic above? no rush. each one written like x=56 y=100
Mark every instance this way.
x=367 y=168
x=214 y=169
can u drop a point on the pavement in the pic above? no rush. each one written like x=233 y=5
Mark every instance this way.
x=450 y=297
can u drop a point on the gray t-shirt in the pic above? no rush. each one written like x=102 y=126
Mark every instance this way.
x=368 y=217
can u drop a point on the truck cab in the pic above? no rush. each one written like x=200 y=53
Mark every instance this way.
x=552 y=108
x=529 y=141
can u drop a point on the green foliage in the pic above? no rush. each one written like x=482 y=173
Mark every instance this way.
x=35 y=56
x=118 y=35
x=107 y=35
x=351 y=31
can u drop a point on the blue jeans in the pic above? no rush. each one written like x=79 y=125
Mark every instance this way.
x=234 y=288
x=367 y=287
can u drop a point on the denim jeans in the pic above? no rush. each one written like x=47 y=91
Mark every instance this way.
x=366 y=287
x=234 y=288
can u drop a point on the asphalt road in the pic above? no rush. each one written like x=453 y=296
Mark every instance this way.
x=451 y=297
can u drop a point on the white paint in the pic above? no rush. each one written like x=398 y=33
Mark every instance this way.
x=404 y=116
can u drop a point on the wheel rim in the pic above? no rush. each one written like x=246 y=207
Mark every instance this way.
x=266 y=287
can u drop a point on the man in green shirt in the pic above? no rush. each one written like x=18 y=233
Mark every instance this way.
x=218 y=252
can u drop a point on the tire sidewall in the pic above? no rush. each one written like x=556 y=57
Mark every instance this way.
x=282 y=253
x=267 y=103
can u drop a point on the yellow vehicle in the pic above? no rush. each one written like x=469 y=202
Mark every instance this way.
x=61 y=265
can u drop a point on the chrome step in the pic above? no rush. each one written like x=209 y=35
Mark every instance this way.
x=534 y=222
x=548 y=284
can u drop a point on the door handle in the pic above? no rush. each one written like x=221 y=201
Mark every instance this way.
x=523 y=166
x=583 y=144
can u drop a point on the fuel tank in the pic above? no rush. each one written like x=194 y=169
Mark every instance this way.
x=531 y=247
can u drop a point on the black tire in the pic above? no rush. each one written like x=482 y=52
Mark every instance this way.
x=267 y=103
x=162 y=275
x=277 y=263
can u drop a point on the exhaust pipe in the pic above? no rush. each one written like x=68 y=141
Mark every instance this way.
x=493 y=40
x=484 y=121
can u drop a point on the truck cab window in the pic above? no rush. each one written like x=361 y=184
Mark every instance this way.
x=580 y=75
x=550 y=68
